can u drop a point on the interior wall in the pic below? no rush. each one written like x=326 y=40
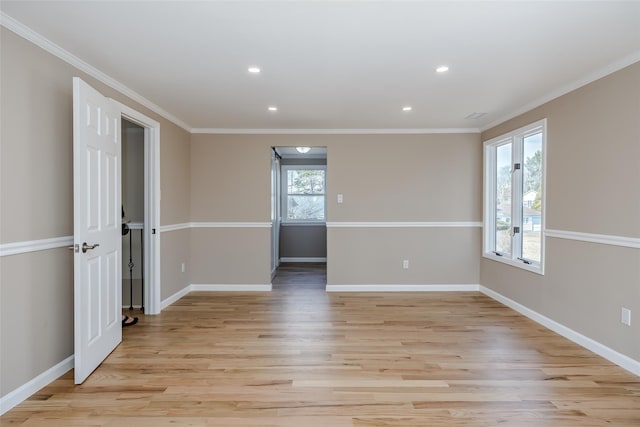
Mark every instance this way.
x=36 y=187
x=133 y=171
x=300 y=242
x=399 y=180
x=592 y=182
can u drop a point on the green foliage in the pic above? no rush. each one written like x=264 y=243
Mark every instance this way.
x=533 y=172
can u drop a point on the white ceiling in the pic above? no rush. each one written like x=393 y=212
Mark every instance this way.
x=334 y=65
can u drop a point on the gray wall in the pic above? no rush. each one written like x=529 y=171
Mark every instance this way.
x=429 y=178
x=303 y=241
x=593 y=186
x=36 y=190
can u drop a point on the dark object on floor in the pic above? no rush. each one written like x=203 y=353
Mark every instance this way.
x=129 y=321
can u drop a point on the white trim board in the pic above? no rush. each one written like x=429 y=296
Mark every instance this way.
x=230 y=225
x=24 y=247
x=198 y=287
x=613 y=356
x=47 y=45
x=438 y=224
x=174 y=227
x=22 y=393
x=27 y=33
x=303 y=259
x=425 y=131
x=189 y=225
x=403 y=288
x=605 y=239
x=603 y=72
x=175 y=297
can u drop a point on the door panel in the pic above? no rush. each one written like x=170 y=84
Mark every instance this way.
x=97 y=201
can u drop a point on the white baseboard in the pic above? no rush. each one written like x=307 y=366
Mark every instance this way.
x=402 y=288
x=303 y=259
x=214 y=288
x=231 y=288
x=23 y=392
x=175 y=297
x=613 y=356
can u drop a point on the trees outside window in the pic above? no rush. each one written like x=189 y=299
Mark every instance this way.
x=304 y=191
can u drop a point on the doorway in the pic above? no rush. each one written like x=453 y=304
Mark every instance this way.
x=299 y=233
x=133 y=215
x=141 y=208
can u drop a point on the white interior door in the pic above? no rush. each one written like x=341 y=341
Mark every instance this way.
x=97 y=218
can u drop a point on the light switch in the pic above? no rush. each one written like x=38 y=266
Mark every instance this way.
x=339 y=198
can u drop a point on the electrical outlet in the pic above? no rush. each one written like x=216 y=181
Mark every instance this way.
x=184 y=267
x=625 y=316
x=405 y=264
x=340 y=198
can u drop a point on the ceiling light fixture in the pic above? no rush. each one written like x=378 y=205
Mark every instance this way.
x=407 y=108
x=442 y=69
x=273 y=108
x=254 y=70
x=303 y=150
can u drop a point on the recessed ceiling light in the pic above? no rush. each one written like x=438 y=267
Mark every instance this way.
x=303 y=150
x=407 y=108
x=273 y=108
x=442 y=69
x=254 y=70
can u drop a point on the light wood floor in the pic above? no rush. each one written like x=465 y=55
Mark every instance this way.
x=300 y=357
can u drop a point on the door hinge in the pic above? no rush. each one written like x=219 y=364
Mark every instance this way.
x=516 y=230
x=516 y=166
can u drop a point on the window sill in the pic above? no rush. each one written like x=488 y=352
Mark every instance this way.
x=534 y=268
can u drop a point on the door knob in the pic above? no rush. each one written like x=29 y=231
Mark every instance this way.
x=86 y=247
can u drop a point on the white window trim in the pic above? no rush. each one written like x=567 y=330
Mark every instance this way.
x=284 y=181
x=489 y=195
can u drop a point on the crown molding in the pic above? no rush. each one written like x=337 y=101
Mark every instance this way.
x=227 y=131
x=590 y=78
x=39 y=40
x=27 y=33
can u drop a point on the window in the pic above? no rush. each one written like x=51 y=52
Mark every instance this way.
x=304 y=193
x=514 y=167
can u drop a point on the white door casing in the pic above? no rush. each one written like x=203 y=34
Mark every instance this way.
x=97 y=222
x=151 y=262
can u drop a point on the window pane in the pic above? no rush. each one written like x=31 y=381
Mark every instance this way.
x=305 y=207
x=532 y=197
x=503 y=199
x=305 y=181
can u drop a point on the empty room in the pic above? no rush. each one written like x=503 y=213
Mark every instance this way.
x=320 y=213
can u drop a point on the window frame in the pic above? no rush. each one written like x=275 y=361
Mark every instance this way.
x=516 y=138
x=285 y=194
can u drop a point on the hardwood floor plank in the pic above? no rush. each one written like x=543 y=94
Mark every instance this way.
x=301 y=357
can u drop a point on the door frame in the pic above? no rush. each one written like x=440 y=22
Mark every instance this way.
x=151 y=233
x=275 y=212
